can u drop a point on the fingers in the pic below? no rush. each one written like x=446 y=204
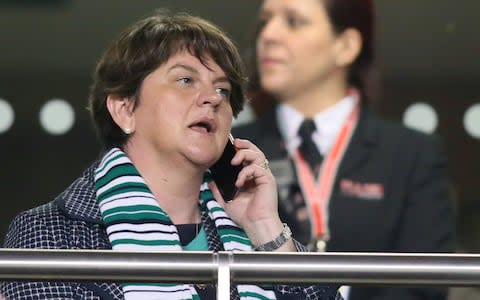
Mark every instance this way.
x=265 y=165
x=255 y=165
x=253 y=172
x=247 y=153
x=245 y=144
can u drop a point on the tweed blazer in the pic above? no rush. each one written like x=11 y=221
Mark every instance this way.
x=73 y=221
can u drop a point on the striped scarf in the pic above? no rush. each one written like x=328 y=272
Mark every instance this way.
x=135 y=221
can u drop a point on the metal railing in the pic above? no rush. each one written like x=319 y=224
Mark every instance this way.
x=241 y=267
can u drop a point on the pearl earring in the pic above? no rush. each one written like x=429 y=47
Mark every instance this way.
x=127 y=130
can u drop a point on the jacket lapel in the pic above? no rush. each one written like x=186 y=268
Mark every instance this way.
x=78 y=201
x=361 y=143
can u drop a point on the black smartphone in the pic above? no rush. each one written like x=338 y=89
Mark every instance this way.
x=224 y=173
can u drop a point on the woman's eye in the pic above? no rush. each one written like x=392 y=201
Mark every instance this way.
x=185 y=80
x=261 y=23
x=294 y=22
x=224 y=92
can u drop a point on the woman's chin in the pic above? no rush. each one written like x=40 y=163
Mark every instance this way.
x=203 y=153
x=274 y=87
x=203 y=160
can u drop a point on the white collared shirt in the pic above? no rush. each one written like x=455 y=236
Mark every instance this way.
x=328 y=122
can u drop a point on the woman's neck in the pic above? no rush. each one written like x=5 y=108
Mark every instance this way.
x=176 y=187
x=318 y=98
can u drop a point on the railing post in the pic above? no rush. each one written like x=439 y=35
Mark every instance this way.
x=223 y=275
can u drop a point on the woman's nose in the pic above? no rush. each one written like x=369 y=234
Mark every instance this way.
x=209 y=96
x=270 y=31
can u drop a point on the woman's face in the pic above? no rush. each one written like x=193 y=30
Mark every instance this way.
x=184 y=113
x=295 y=47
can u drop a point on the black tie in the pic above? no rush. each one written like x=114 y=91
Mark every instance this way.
x=307 y=148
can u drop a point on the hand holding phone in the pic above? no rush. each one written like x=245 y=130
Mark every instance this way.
x=224 y=173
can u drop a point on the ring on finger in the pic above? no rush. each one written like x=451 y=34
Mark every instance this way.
x=265 y=165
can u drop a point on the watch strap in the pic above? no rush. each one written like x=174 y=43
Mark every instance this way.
x=276 y=243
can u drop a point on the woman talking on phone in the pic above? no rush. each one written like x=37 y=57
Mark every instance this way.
x=347 y=180
x=162 y=100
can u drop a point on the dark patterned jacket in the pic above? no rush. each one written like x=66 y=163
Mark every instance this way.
x=73 y=221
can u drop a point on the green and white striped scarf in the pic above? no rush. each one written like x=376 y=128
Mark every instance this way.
x=135 y=221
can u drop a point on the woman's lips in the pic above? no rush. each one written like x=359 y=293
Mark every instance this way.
x=204 y=125
x=269 y=62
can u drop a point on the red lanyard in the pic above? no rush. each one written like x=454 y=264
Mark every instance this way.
x=317 y=193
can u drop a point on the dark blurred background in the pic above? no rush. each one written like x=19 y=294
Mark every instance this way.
x=428 y=70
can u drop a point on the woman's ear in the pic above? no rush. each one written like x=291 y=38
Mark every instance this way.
x=349 y=45
x=121 y=110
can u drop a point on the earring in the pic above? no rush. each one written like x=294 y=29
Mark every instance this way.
x=127 y=130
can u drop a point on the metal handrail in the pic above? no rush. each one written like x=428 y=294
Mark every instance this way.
x=241 y=267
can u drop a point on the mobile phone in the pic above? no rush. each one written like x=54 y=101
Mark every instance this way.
x=224 y=173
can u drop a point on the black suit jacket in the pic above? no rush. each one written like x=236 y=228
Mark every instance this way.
x=415 y=213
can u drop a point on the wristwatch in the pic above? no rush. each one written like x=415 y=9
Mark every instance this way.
x=284 y=236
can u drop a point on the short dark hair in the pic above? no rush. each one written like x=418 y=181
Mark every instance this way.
x=146 y=45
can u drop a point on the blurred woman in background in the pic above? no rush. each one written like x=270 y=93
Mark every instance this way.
x=347 y=180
